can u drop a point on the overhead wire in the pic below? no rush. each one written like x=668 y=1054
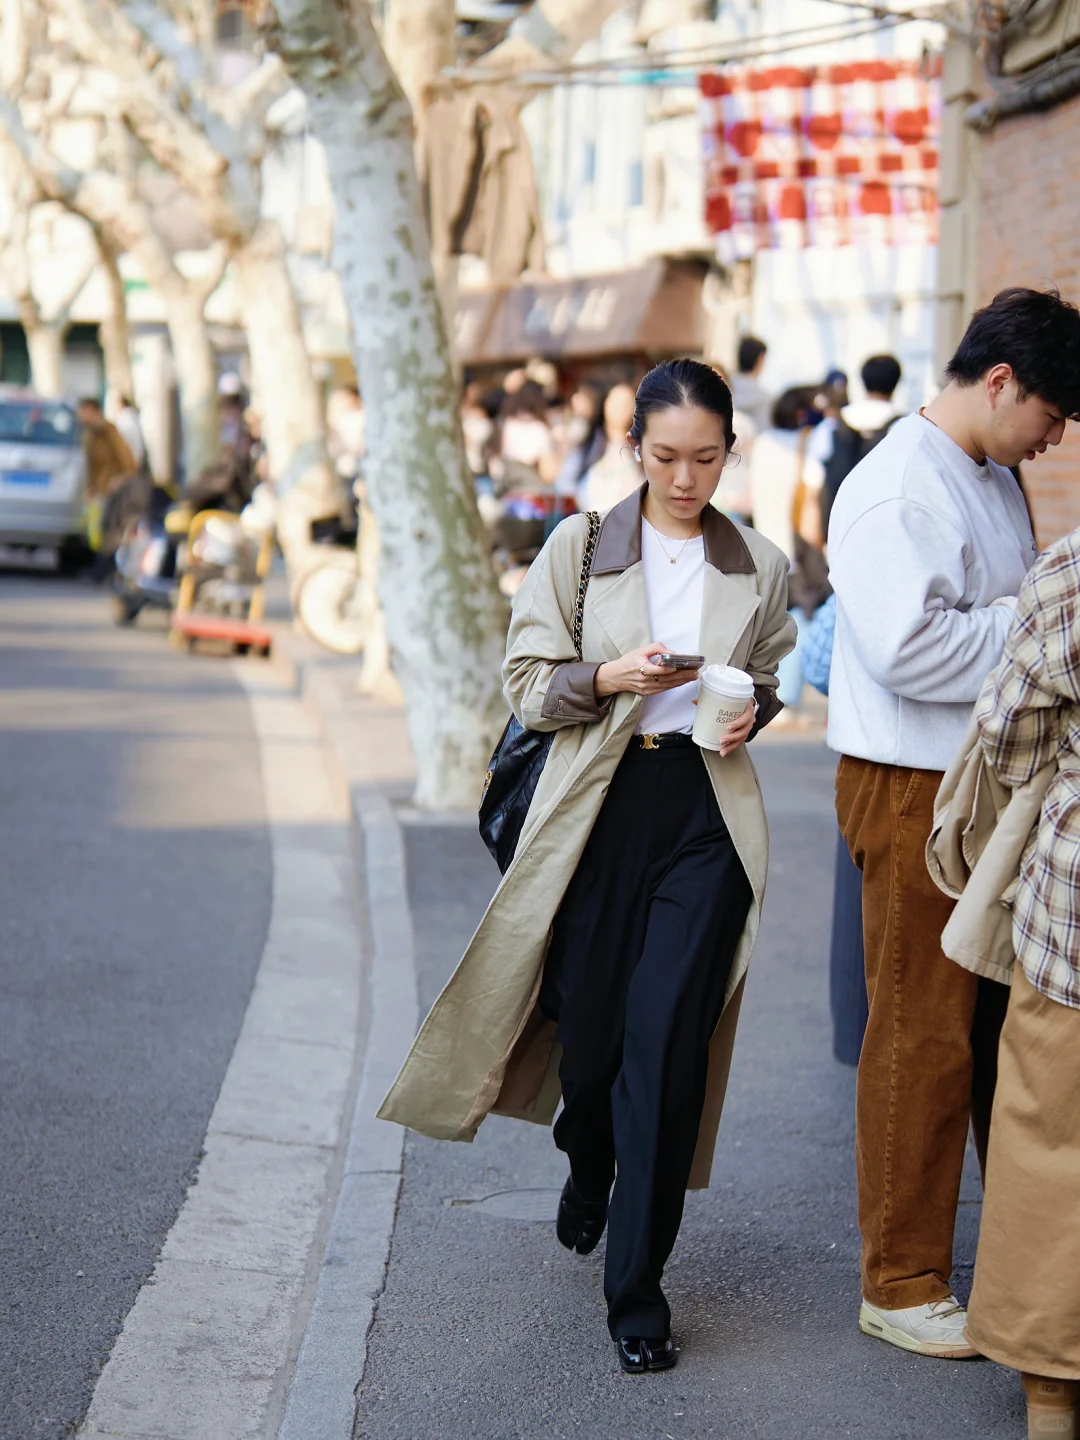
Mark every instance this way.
x=662 y=64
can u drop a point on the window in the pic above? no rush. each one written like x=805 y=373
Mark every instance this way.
x=588 y=163
x=38 y=423
x=636 y=186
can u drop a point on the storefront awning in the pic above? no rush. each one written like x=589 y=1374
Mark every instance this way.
x=654 y=310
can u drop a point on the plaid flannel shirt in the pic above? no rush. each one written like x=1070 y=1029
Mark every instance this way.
x=1029 y=716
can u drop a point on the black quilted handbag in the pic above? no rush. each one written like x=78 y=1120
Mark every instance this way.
x=514 y=771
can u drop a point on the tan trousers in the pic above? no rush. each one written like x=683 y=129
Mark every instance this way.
x=929 y=1058
x=1025 y=1302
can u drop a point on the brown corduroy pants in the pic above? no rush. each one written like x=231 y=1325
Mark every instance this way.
x=929 y=1057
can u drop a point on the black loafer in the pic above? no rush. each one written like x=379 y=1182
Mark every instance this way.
x=636 y=1356
x=580 y=1223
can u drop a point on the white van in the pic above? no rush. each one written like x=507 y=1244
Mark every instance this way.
x=42 y=476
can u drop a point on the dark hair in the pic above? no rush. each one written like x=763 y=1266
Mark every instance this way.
x=881 y=375
x=91 y=400
x=528 y=400
x=751 y=350
x=678 y=383
x=792 y=409
x=127 y=402
x=491 y=401
x=1035 y=332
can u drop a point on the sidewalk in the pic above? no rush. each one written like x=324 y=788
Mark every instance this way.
x=485 y=1328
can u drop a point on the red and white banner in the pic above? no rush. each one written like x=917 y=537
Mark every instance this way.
x=833 y=155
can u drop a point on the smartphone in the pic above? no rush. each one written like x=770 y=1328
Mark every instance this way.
x=679 y=662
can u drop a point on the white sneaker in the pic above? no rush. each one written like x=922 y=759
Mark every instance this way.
x=936 y=1330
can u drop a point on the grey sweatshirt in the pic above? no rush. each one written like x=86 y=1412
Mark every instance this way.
x=927 y=550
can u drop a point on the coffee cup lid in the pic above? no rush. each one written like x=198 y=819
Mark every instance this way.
x=727 y=680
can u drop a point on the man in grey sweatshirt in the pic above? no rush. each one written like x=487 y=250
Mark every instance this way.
x=929 y=541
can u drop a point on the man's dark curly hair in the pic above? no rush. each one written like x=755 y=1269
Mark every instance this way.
x=1035 y=332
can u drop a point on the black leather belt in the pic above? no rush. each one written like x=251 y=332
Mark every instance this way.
x=672 y=740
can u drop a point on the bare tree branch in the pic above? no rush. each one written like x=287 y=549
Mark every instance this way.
x=115 y=336
x=247 y=103
x=61 y=311
x=548 y=34
x=207 y=283
x=104 y=37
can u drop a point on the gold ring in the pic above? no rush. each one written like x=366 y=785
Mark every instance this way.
x=641 y=669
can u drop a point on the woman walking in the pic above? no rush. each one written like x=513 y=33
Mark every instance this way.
x=624 y=924
x=1025 y=1301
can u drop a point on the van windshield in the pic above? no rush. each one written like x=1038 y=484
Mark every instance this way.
x=38 y=422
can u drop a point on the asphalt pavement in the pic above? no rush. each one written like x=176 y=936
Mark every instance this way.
x=135 y=897
x=487 y=1329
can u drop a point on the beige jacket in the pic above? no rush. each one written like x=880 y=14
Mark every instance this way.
x=981 y=830
x=108 y=460
x=485 y=1046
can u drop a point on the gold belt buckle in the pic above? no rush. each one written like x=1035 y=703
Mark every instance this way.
x=650 y=742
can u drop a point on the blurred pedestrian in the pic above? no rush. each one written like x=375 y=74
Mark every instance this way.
x=130 y=427
x=1025 y=1301
x=747 y=391
x=784 y=487
x=848 y=1006
x=586 y=439
x=929 y=545
x=110 y=468
x=829 y=401
x=617 y=473
x=526 y=447
x=109 y=461
x=347 y=431
x=733 y=495
x=615 y=947
x=479 y=408
x=234 y=437
x=860 y=426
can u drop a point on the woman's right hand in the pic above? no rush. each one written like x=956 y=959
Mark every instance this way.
x=633 y=673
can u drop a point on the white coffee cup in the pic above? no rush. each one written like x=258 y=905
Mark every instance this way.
x=723 y=693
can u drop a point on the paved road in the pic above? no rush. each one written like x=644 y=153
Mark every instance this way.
x=134 y=904
x=489 y=1330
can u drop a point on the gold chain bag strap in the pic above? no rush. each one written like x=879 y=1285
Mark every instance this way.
x=519 y=757
x=583 y=579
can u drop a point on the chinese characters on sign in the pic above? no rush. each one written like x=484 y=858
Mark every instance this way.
x=834 y=155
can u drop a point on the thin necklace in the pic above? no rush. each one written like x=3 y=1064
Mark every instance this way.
x=671 y=559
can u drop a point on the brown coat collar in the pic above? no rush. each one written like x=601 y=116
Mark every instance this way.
x=619 y=545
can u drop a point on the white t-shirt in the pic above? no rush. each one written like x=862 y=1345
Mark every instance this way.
x=675 y=595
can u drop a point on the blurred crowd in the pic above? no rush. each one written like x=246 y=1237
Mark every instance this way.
x=538 y=454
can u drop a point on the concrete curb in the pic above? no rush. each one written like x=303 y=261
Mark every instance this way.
x=206 y=1348
x=330 y=1364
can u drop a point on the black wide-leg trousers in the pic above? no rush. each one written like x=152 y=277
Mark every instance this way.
x=641 y=951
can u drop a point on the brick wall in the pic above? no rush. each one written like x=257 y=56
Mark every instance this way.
x=1029 y=234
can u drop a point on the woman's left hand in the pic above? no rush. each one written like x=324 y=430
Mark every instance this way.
x=738 y=731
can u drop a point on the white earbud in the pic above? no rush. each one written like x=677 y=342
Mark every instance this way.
x=637 y=455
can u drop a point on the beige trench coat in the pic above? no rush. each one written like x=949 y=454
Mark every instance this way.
x=485 y=1046
x=975 y=853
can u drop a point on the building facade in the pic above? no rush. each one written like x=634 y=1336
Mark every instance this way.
x=618 y=152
